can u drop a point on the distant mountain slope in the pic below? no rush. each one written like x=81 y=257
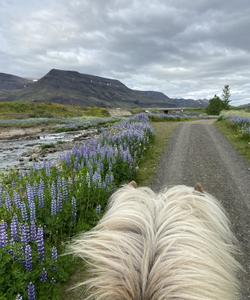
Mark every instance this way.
x=71 y=87
x=10 y=82
x=245 y=105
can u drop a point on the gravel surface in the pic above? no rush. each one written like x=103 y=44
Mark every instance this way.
x=197 y=152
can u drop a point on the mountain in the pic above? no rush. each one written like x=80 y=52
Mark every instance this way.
x=71 y=87
x=247 y=105
x=10 y=82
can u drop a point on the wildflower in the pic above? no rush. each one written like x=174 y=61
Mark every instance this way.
x=23 y=212
x=74 y=209
x=40 y=243
x=43 y=276
x=30 y=193
x=31 y=291
x=64 y=189
x=24 y=233
x=3 y=234
x=14 y=228
x=32 y=208
x=17 y=200
x=40 y=194
x=32 y=231
x=28 y=258
x=53 y=200
x=59 y=201
x=7 y=201
x=19 y=297
x=98 y=209
x=54 y=254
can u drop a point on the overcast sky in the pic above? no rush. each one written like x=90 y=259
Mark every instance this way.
x=184 y=48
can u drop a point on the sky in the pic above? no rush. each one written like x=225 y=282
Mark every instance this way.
x=184 y=48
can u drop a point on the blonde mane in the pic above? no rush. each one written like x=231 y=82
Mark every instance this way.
x=175 y=245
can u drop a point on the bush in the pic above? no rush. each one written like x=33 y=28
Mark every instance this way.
x=215 y=106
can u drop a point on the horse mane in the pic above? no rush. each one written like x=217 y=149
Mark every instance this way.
x=173 y=245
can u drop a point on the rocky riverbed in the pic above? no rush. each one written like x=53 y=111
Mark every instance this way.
x=20 y=148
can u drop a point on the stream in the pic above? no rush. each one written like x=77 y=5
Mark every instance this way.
x=22 y=152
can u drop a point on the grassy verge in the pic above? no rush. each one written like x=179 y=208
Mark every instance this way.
x=240 y=143
x=24 y=110
x=151 y=159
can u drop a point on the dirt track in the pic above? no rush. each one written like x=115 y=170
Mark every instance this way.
x=197 y=152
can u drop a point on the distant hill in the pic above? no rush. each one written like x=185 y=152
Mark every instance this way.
x=10 y=82
x=71 y=87
x=244 y=105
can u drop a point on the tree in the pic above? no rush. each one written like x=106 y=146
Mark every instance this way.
x=215 y=106
x=226 y=96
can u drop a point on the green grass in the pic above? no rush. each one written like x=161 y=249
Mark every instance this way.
x=149 y=164
x=235 y=112
x=240 y=142
x=24 y=110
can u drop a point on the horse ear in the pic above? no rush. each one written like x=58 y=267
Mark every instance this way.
x=199 y=188
x=133 y=184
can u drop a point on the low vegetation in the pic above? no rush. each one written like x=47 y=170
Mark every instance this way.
x=42 y=208
x=24 y=110
x=235 y=125
x=150 y=162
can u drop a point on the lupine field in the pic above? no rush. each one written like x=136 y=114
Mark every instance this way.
x=176 y=117
x=42 y=208
x=239 y=121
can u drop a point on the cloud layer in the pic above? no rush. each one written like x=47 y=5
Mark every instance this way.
x=184 y=48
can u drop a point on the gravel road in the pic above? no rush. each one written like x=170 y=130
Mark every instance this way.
x=198 y=152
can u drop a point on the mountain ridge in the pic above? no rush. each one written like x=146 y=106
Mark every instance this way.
x=72 y=87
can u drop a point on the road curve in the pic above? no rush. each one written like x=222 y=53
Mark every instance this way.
x=198 y=152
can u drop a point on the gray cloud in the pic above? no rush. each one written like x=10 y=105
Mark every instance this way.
x=183 y=48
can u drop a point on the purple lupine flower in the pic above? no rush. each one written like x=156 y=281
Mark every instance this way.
x=40 y=194
x=24 y=212
x=25 y=236
x=53 y=200
x=30 y=193
x=27 y=258
x=74 y=209
x=54 y=254
x=47 y=169
x=40 y=243
x=32 y=207
x=96 y=178
x=35 y=189
x=43 y=276
x=11 y=244
x=98 y=209
x=7 y=201
x=14 y=228
x=32 y=231
x=17 y=200
x=59 y=183
x=65 y=189
x=3 y=234
x=19 y=297
x=59 y=201
x=31 y=291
